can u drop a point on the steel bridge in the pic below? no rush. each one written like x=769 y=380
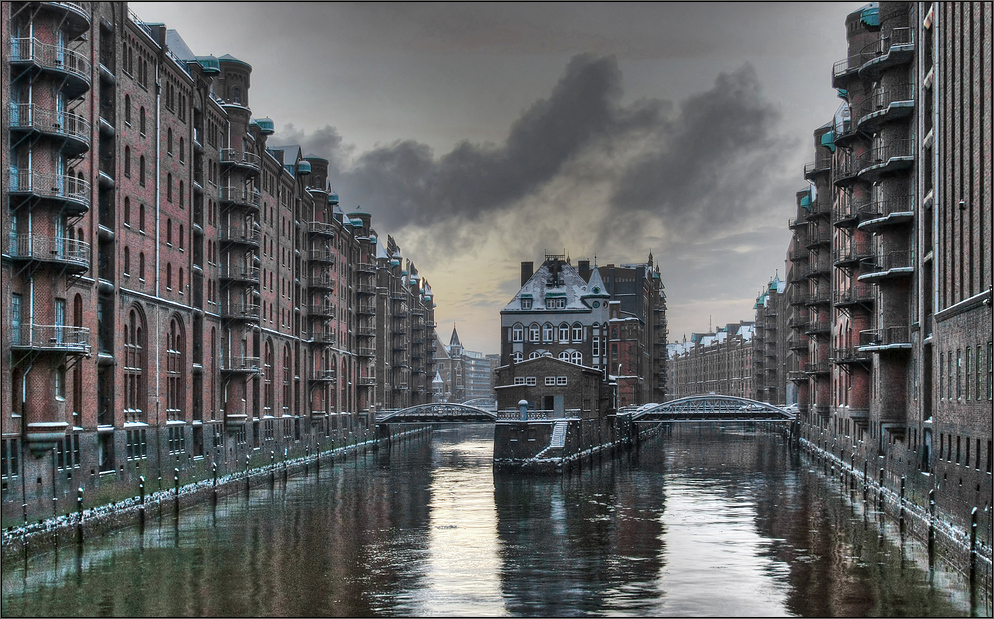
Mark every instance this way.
x=437 y=412
x=715 y=408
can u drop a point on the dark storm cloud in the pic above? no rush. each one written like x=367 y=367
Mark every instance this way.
x=704 y=167
x=718 y=164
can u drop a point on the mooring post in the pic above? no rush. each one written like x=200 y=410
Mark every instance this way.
x=141 y=504
x=79 y=511
x=931 y=527
x=214 y=471
x=900 y=517
x=176 y=490
x=880 y=500
x=973 y=547
x=272 y=468
x=247 y=480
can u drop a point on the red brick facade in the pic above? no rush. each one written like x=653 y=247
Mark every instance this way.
x=181 y=292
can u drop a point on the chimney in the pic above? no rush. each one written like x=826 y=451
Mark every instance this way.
x=526 y=271
x=584 y=268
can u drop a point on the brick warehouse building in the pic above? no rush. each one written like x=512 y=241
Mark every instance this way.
x=719 y=362
x=179 y=292
x=890 y=262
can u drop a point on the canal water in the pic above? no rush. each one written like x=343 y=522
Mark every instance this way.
x=725 y=523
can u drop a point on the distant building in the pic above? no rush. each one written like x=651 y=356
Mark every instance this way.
x=719 y=362
x=769 y=357
x=465 y=375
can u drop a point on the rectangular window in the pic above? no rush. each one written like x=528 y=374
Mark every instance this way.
x=967 y=374
x=526 y=304
x=949 y=375
x=560 y=380
x=519 y=380
x=980 y=366
x=550 y=380
x=9 y=466
x=15 y=318
x=596 y=346
x=531 y=381
x=959 y=368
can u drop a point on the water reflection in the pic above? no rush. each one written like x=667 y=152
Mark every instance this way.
x=698 y=523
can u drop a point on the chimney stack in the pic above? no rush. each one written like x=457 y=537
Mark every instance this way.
x=526 y=271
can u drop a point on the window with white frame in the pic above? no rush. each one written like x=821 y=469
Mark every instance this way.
x=596 y=346
x=550 y=381
x=517 y=333
x=564 y=333
x=531 y=381
x=534 y=354
x=564 y=356
x=519 y=380
x=577 y=333
x=560 y=380
x=548 y=332
x=518 y=357
x=577 y=357
x=533 y=332
x=526 y=303
x=555 y=303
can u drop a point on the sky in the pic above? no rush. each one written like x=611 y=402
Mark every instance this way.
x=482 y=135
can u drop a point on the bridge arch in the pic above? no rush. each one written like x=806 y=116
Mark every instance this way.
x=437 y=412
x=712 y=407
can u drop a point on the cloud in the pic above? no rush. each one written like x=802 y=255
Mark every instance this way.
x=580 y=168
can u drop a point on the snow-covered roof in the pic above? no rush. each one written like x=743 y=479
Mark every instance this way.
x=555 y=279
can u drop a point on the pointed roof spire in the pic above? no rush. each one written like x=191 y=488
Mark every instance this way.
x=454 y=340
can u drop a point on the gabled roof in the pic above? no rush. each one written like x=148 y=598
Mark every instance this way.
x=566 y=283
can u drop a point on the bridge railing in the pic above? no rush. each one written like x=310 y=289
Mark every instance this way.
x=514 y=414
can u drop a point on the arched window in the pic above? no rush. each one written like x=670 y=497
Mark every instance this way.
x=181 y=280
x=517 y=333
x=577 y=357
x=548 y=332
x=169 y=276
x=577 y=332
x=169 y=187
x=179 y=240
x=141 y=217
x=236 y=95
x=127 y=161
x=141 y=120
x=175 y=371
x=564 y=355
x=134 y=367
x=169 y=231
x=564 y=333
x=169 y=140
x=182 y=150
x=287 y=381
x=141 y=170
x=267 y=377
x=534 y=354
x=182 y=200
x=141 y=266
x=517 y=356
x=127 y=260
x=533 y=332
x=127 y=210
x=127 y=109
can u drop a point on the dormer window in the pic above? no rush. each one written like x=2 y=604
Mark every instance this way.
x=555 y=303
x=526 y=303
